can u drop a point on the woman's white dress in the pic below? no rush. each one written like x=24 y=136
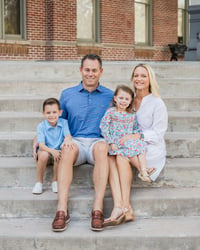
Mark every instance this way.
x=153 y=120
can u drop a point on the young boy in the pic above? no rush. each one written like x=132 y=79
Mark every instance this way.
x=52 y=134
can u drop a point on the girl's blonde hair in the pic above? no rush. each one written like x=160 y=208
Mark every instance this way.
x=153 y=85
x=128 y=90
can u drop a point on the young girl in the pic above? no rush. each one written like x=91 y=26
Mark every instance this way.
x=118 y=126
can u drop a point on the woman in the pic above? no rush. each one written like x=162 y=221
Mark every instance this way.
x=152 y=119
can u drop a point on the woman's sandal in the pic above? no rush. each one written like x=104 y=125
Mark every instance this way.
x=129 y=215
x=150 y=171
x=117 y=217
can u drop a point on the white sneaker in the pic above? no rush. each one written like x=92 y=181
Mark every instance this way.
x=37 y=189
x=54 y=186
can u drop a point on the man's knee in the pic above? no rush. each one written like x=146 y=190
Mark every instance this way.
x=101 y=148
x=69 y=152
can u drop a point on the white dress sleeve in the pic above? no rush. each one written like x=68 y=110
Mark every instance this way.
x=156 y=131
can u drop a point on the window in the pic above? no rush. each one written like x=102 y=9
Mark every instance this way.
x=181 y=21
x=12 y=14
x=88 y=20
x=142 y=22
x=194 y=2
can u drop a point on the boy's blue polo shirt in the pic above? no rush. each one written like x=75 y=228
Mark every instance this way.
x=84 y=109
x=53 y=137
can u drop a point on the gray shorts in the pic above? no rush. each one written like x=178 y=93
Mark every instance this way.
x=85 y=147
x=50 y=160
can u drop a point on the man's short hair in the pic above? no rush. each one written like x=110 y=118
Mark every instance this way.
x=91 y=57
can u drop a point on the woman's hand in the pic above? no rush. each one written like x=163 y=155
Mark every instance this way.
x=113 y=147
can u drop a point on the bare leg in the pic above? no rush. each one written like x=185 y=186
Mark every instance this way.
x=43 y=157
x=135 y=162
x=100 y=173
x=125 y=176
x=55 y=170
x=115 y=182
x=143 y=173
x=65 y=176
x=117 y=214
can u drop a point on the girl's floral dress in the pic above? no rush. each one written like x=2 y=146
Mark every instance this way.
x=116 y=124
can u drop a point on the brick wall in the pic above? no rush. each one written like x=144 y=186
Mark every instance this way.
x=164 y=17
x=117 y=21
x=51 y=32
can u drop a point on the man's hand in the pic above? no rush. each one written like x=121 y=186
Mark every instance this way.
x=68 y=143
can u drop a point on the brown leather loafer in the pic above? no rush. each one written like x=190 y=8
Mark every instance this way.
x=60 y=221
x=97 y=221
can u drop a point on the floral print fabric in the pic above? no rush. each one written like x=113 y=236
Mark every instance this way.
x=116 y=124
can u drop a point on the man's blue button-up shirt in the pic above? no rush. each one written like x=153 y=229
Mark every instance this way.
x=84 y=109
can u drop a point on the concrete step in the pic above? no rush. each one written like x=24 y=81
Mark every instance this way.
x=33 y=89
x=179 y=144
x=181 y=172
x=146 y=202
x=183 y=144
x=179 y=87
x=28 y=121
x=19 y=103
x=182 y=103
x=174 y=233
x=62 y=71
x=168 y=87
x=184 y=121
x=21 y=172
x=20 y=121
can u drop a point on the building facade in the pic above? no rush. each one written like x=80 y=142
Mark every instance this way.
x=68 y=29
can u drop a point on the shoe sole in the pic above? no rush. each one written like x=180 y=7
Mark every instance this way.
x=61 y=229
x=114 y=222
x=96 y=229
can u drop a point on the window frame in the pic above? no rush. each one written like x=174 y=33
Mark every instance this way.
x=22 y=35
x=185 y=22
x=148 y=23
x=95 y=25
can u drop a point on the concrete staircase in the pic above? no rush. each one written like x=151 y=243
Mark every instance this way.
x=167 y=212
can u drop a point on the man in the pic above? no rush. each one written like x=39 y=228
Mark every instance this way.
x=83 y=106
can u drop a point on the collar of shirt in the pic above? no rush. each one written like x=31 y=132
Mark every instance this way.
x=48 y=125
x=81 y=88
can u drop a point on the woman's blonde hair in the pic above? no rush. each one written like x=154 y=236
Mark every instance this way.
x=153 y=85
